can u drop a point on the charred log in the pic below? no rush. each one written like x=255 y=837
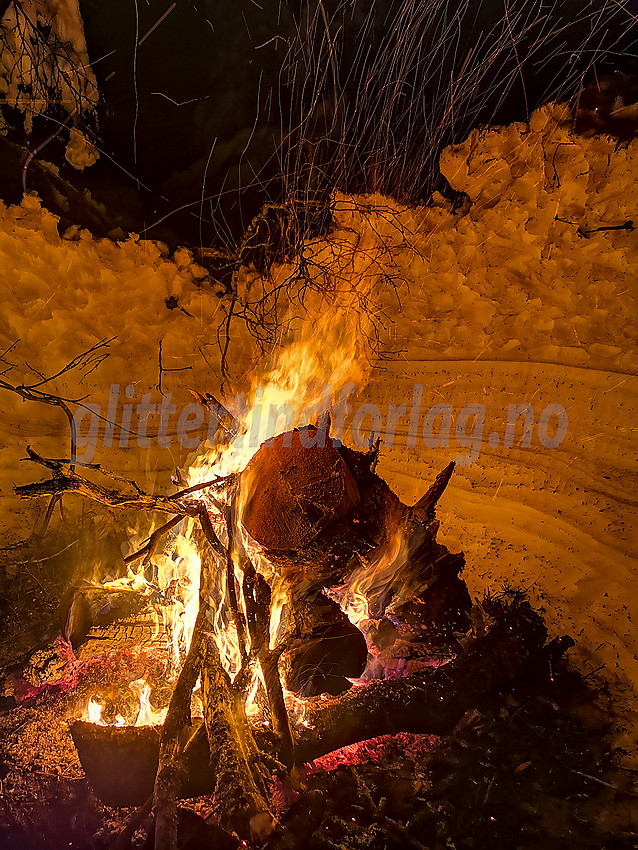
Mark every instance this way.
x=121 y=763
x=168 y=778
x=88 y=605
x=442 y=609
x=325 y=649
x=432 y=701
x=257 y=596
x=239 y=782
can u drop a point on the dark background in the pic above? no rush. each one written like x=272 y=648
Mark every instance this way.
x=226 y=104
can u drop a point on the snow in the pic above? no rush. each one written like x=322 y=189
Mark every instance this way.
x=517 y=297
x=80 y=152
x=33 y=69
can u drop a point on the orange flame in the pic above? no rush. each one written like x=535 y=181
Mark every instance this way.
x=147 y=715
x=93 y=712
x=305 y=380
x=308 y=374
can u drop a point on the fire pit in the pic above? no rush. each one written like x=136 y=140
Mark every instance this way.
x=288 y=610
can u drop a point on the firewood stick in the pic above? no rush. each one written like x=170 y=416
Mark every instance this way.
x=168 y=776
x=256 y=594
x=66 y=480
x=209 y=532
x=240 y=791
x=217 y=409
x=149 y=548
x=269 y=664
x=230 y=515
x=244 y=677
x=235 y=760
x=258 y=598
x=73 y=483
x=202 y=655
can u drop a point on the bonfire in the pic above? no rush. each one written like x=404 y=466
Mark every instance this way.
x=299 y=607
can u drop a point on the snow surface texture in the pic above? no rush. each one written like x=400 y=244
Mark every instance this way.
x=44 y=56
x=516 y=297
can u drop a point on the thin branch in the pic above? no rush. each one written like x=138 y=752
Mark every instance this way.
x=66 y=480
x=147 y=551
x=231 y=519
x=74 y=483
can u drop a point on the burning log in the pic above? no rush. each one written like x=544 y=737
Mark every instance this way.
x=432 y=701
x=297 y=484
x=238 y=784
x=320 y=513
x=313 y=504
x=168 y=777
x=89 y=606
x=257 y=596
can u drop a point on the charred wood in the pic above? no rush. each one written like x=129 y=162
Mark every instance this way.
x=121 y=763
x=257 y=597
x=424 y=508
x=239 y=783
x=324 y=650
x=432 y=701
x=168 y=779
x=87 y=605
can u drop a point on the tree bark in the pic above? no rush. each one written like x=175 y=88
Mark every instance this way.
x=170 y=769
x=239 y=786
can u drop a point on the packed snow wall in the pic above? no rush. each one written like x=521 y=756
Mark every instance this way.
x=516 y=306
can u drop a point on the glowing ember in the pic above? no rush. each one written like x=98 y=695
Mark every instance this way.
x=405 y=745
